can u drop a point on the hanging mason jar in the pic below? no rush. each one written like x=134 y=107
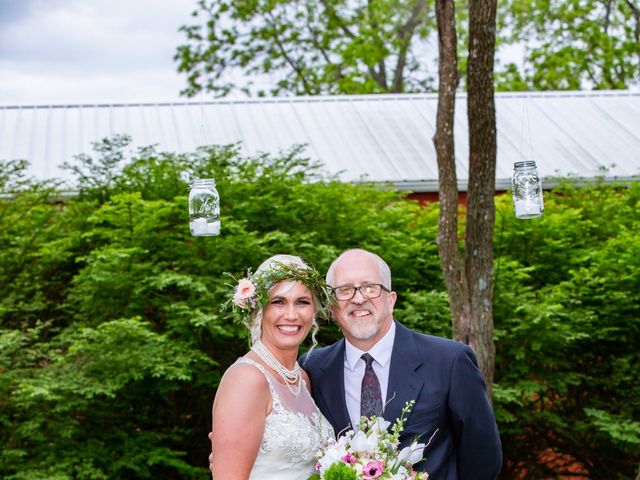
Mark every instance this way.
x=527 y=190
x=204 y=208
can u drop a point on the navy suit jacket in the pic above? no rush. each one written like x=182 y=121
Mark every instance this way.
x=443 y=378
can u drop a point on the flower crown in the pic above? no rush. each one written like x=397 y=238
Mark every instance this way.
x=252 y=292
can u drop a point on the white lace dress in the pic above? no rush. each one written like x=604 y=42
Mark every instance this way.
x=293 y=432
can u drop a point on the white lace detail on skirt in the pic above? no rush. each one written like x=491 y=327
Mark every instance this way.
x=294 y=430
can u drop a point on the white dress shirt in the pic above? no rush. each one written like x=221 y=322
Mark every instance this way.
x=354 y=371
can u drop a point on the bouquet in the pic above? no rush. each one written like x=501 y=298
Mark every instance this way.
x=370 y=452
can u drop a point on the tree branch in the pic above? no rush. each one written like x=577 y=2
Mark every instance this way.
x=405 y=33
x=298 y=71
x=636 y=31
x=332 y=13
x=381 y=75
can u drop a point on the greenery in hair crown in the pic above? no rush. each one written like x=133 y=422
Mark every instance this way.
x=252 y=292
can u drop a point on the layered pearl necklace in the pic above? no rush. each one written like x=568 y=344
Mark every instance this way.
x=290 y=377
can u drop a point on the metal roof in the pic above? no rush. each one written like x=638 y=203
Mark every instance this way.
x=382 y=138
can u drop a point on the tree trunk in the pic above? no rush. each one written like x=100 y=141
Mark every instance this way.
x=482 y=173
x=448 y=250
x=469 y=279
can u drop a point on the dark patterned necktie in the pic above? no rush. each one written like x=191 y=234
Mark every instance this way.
x=371 y=396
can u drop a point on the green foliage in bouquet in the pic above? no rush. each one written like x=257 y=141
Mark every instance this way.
x=339 y=471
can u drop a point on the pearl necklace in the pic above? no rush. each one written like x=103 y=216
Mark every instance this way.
x=290 y=377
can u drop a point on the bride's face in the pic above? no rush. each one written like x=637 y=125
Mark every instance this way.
x=288 y=315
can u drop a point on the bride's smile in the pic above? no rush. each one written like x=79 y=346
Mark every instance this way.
x=289 y=329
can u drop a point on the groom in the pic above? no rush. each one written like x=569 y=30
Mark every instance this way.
x=439 y=374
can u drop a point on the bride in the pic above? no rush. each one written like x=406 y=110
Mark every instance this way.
x=265 y=423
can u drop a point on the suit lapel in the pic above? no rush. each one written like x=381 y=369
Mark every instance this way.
x=331 y=388
x=404 y=382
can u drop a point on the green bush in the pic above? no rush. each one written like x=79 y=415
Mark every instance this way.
x=111 y=337
x=567 y=318
x=112 y=340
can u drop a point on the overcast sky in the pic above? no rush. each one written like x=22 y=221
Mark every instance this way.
x=90 y=51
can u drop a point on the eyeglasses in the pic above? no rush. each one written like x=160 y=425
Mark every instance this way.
x=368 y=291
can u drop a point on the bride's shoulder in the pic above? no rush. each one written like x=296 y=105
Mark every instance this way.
x=242 y=389
x=245 y=376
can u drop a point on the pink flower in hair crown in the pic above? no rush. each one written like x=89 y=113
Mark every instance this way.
x=244 y=294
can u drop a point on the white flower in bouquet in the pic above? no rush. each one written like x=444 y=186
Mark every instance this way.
x=380 y=424
x=362 y=442
x=332 y=455
x=412 y=454
x=371 y=453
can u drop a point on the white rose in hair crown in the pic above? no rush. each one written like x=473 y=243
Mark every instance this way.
x=371 y=452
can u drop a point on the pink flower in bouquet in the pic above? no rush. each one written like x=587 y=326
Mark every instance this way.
x=373 y=469
x=244 y=293
x=349 y=459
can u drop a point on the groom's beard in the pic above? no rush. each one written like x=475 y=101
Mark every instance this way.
x=363 y=329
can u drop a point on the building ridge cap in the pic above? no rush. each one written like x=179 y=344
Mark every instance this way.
x=301 y=99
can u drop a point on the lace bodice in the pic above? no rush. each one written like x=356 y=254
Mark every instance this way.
x=294 y=430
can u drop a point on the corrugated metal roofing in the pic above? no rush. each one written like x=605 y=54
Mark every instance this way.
x=383 y=138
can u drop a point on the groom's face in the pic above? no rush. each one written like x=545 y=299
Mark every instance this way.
x=363 y=321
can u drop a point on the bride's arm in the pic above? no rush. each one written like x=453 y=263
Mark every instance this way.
x=242 y=402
